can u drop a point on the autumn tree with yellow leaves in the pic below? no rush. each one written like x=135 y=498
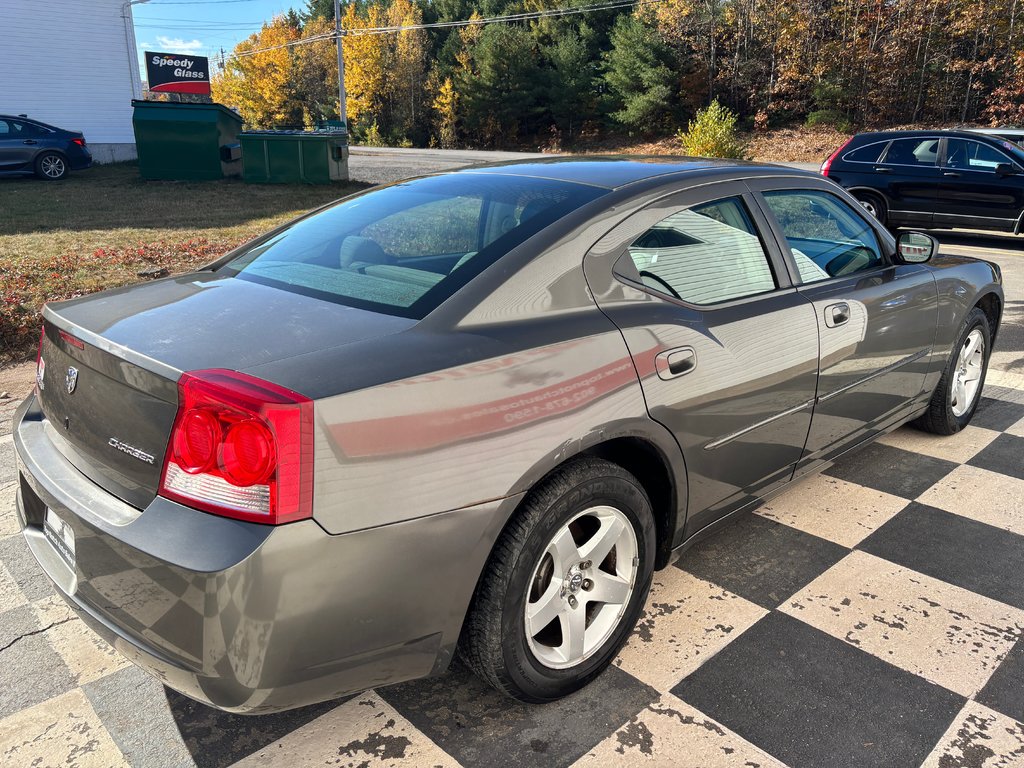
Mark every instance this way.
x=644 y=70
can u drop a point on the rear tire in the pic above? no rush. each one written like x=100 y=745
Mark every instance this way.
x=873 y=204
x=536 y=629
x=958 y=393
x=51 y=166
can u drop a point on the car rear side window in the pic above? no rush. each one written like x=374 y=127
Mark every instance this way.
x=706 y=254
x=405 y=248
x=827 y=238
x=869 y=153
x=923 y=152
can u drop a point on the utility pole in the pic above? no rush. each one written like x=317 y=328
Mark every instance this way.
x=129 y=39
x=338 y=33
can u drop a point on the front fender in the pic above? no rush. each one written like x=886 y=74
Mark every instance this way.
x=962 y=283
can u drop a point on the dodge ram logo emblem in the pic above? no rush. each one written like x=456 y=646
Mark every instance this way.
x=72 y=379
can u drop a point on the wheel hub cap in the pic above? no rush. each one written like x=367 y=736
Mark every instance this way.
x=967 y=379
x=574 y=581
x=581 y=587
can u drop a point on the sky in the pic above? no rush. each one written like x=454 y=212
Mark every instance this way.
x=200 y=27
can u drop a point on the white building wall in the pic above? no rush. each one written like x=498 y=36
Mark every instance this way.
x=69 y=63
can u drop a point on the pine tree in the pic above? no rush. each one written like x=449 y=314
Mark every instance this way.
x=640 y=71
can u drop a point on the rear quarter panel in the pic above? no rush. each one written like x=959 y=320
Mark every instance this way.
x=486 y=395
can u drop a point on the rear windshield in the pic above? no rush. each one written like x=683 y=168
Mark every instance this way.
x=406 y=248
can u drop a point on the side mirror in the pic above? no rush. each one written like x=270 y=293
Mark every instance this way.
x=1005 y=169
x=916 y=247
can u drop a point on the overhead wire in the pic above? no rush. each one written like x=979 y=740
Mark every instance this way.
x=508 y=18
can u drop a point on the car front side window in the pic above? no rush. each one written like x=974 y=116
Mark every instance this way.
x=973 y=156
x=827 y=238
x=706 y=254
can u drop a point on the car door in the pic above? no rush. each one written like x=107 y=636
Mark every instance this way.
x=910 y=166
x=876 y=318
x=29 y=138
x=726 y=348
x=10 y=146
x=972 y=193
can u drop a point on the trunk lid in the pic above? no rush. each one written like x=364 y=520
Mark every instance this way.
x=110 y=418
x=111 y=362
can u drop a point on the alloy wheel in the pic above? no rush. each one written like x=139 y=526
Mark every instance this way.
x=53 y=166
x=581 y=587
x=970 y=365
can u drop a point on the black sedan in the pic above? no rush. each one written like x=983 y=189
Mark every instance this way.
x=31 y=147
x=936 y=179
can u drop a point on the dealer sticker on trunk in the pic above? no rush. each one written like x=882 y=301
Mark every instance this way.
x=60 y=536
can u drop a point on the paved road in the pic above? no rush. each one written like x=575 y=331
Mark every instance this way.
x=377 y=165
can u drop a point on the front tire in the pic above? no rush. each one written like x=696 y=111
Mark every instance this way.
x=565 y=583
x=51 y=166
x=957 y=396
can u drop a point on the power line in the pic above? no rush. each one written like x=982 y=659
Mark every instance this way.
x=551 y=12
x=199 y=2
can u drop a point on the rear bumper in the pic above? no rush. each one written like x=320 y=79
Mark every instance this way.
x=79 y=158
x=246 y=617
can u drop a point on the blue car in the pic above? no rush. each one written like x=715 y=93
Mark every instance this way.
x=934 y=179
x=31 y=147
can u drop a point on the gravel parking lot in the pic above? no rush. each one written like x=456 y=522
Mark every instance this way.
x=871 y=616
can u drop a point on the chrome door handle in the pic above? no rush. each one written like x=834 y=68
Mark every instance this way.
x=952 y=174
x=837 y=314
x=883 y=170
x=675 y=362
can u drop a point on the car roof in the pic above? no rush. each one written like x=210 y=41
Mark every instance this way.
x=996 y=131
x=963 y=133
x=26 y=119
x=616 y=171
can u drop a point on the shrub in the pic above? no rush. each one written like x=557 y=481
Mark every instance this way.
x=713 y=134
x=830 y=118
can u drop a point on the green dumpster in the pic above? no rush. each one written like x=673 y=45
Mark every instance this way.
x=186 y=142
x=309 y=157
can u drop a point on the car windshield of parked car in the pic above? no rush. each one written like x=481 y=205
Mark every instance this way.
x=825 y=235
x=406 y=248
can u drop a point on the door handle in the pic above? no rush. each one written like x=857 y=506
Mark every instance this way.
x=837 y=314
x=953 y=174
x=883 y=170
x=30 y=141
x=675 y=362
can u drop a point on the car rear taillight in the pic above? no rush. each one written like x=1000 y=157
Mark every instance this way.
x=240 y=447
x=828 y=162
x=79 y=141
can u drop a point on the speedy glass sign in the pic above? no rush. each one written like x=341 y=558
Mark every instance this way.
x=177 y=73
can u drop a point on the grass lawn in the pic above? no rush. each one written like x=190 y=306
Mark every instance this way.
x=100 y=227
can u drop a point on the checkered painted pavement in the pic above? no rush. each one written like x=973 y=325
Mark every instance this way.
x=872 y=615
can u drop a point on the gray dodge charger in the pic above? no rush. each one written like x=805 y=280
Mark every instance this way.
x=471 y=414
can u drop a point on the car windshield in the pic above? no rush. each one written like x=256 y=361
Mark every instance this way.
x=406 y=248
x=1013 y=150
